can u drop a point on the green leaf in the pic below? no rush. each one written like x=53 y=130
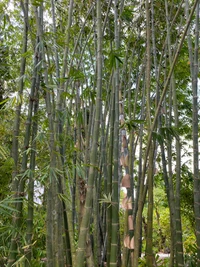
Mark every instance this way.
x=27 y=54
x=113 y=56
x=106 y=199
x=131 y=124
x=37 y=2
x=75 y=74
x=4 y=101
x=158 y=137
x=3 y=153
x=80 y=170
x=80 y=117
x=28 y=173
x=65 y=198
x=27 y=151
x=67 y=95
x=169 y=132
x=118 y=58
x=127 y=14
x=5 y=207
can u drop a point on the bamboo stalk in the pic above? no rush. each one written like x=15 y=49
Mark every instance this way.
x=80 y=254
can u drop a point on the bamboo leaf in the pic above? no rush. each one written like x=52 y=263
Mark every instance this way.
x=37 y=2
x=5 y=207
x=3 y=153
x=118 y=58
x=80 y=170
x=4 y=101
x=106 y=199
x=75 y=74
x=158 y=137
x=19 y=262
x=132 y=124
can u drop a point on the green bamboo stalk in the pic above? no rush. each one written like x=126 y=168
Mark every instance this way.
x=52 y=187
x=195 y=123
x=60 y=153
x=193 y=56
x=110 y=174
x=149 y=238
x=115 y=181
x=15 y=146
x=101 y=227
x=130 y=195
x=65 y=209
x=80 y=254
x=69 y=23
x=171 y=186
x=95 y=256
x=140 y=135
x=167 y=179
x=168 y=175
x=107 y=166
x=128 y=248
x=179 y=242
x=30 y=215
x=140 y=183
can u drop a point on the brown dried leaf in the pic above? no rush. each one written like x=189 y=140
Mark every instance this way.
x=82 y=198
x=126 y=161
x=122 y=161
x=126 y=181
x=127 y=242
x=130 y=222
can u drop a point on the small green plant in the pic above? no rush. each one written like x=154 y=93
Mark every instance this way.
x=191 y=256
x=142 y=262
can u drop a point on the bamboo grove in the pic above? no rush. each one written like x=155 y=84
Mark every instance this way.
x=99 y=107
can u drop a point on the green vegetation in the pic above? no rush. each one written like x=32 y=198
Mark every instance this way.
x=96 y=96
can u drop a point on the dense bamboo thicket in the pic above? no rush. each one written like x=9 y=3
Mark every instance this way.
x=99 y=152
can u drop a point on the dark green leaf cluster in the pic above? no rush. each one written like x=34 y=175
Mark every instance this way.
x=5 y=176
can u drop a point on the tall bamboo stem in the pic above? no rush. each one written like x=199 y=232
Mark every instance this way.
x=80 y=254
